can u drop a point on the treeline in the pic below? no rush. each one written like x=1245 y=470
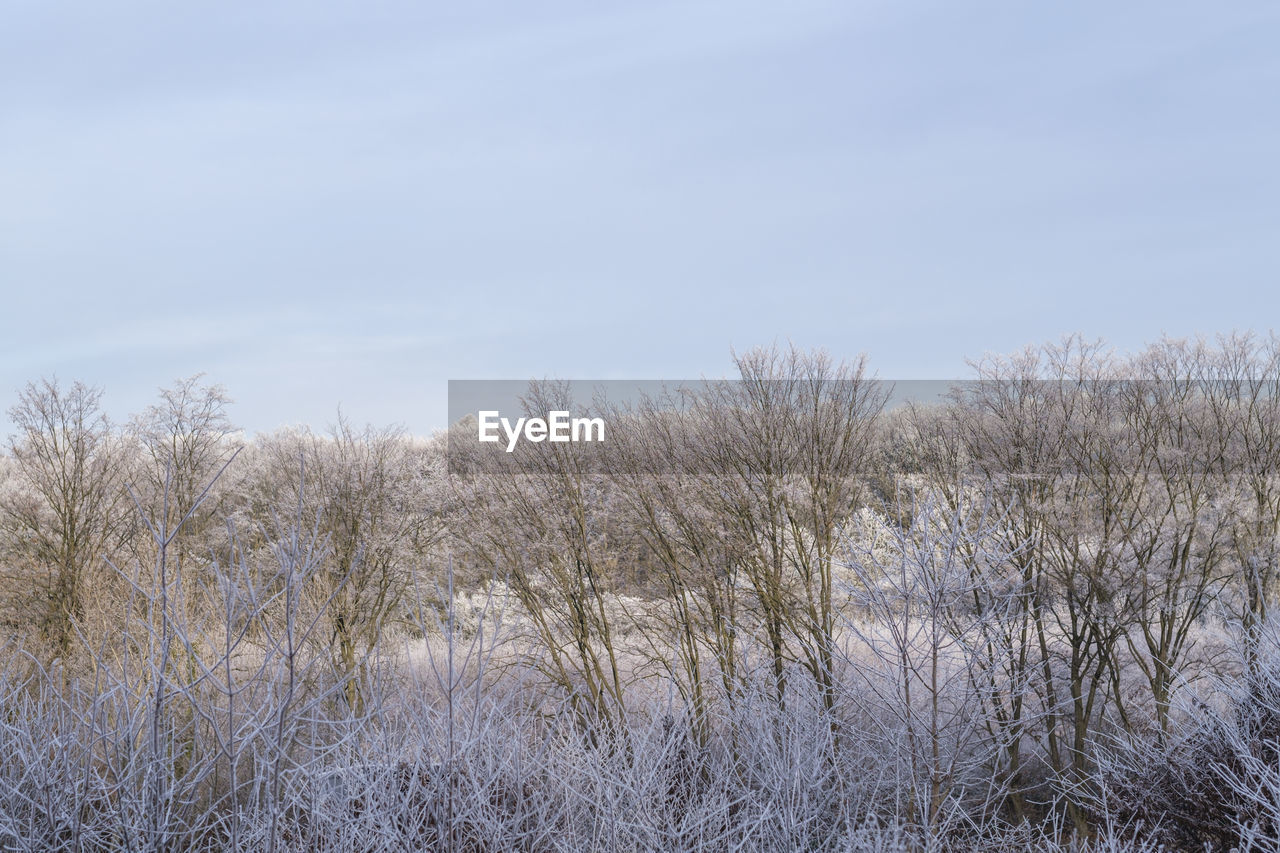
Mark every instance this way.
x=1001 y=604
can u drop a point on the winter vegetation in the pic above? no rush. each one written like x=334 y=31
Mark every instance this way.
x=785 y=615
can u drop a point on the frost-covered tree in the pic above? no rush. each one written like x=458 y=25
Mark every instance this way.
x=63 y=506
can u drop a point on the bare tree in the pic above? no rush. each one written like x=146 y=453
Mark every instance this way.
x=543 y=520
x=185 y=438
x=1244 y=400
x=657 y=461
x=370 y=492
x=929 y=661
x=64 y=508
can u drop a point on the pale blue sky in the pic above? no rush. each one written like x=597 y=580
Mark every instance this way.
x=349 y=203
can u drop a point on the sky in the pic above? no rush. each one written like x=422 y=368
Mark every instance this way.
x=342 y=204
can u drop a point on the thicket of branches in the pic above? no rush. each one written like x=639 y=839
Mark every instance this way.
x=778 y=613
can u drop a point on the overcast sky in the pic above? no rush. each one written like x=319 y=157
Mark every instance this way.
x=324 y=204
